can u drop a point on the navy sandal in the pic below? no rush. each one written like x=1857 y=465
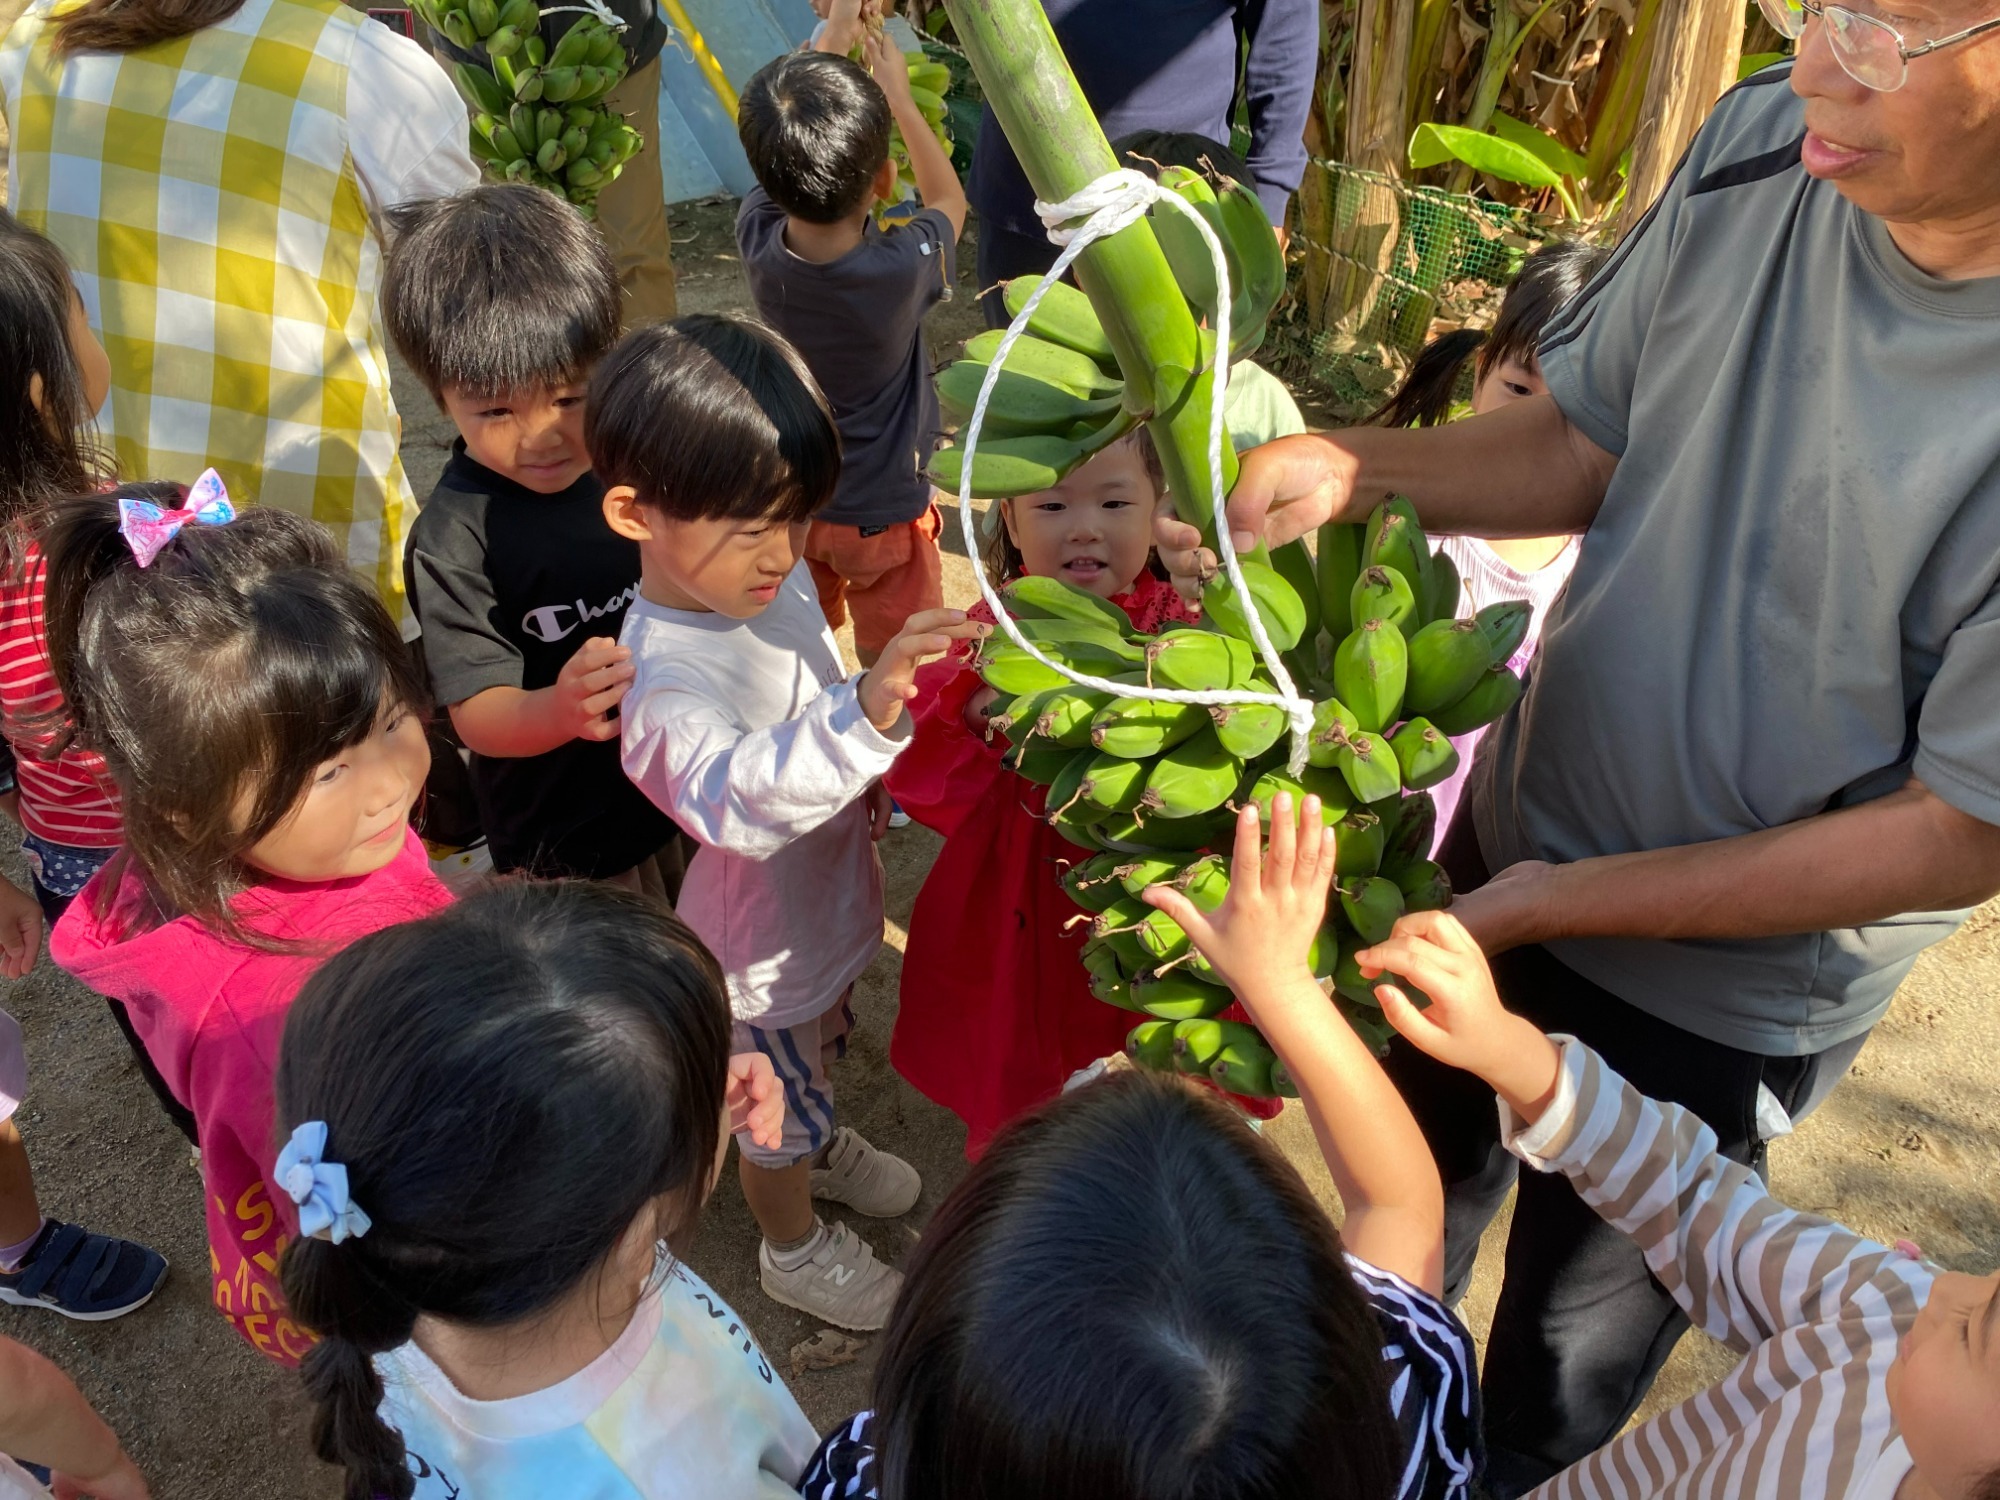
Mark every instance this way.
x=89 y=1277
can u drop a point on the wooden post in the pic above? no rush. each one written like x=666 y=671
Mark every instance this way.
x=1377 y=139
x=1696 y=47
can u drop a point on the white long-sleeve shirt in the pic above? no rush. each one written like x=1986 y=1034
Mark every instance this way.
x=749 y=735
x=1815 y=1310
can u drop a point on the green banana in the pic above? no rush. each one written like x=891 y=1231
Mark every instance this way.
x=504 y=42
x=1020 y=404
x=1006 y=467
x=1339 y=568
x=929 y=103
x=1332 y=724
x=1410 y=833
x=1083 y=644
x=1006 y=668
x=1078 y=825
x=1424 y=885
x=1150 y=1044
x=1371 y=906
x=527 y=85
x=522 y=15
x=1423 y=756
x=1134 y=875
x=1370 y=668
x=1369 y=1024
x=1445 y=660
x=1064 y=316
x=507 y=145
x=1196 y=776
x=484 y=15
x=1163 y=939
x=1503 y=627
x=1199 y=661
x=1180 y=997
x=1046 y=361
x=1197 y=1043
x=1494 y=693
x=1247 y=1069
x=1093 y=884
x=1256 y=265
x=1281 y=1081
x=1114 y=784
x=1205 y=881
x=1322 y=782
x=1382 y=594
x=1395 y=540
x=1357 y=844
x=1063 y=715
x=457 y=28
x=1053 y=599
x=1278 y=605
x=1351 y=984
x=551 y=157
x=1446 y=589
x=480 y=88
x=1108 y=984
x=1036 y=763
x=573 y=50
x=1295 y=565
x=1187 y=252
x=1166 y=835
x=1370 y=767
x=549 y=125
x=1247 y=730
x=1063 y=792
x=1139 y=728
x=560 y=85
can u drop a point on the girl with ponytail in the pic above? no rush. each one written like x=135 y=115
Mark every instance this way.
x=499 y=1118
x=1504 y=368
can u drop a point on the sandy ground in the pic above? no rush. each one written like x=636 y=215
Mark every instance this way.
x=1910 y=1146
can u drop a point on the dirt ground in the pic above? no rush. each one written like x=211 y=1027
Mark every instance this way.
x=1909 y=1146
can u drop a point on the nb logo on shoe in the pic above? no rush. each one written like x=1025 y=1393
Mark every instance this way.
x=841 y=1275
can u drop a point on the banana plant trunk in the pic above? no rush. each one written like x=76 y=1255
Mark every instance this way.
x=1063 y=149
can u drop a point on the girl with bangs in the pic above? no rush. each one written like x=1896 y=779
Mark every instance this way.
x=263 y=723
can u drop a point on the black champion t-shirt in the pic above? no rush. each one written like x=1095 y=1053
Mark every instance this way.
x=508 y=585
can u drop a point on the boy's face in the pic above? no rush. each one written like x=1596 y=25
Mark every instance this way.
x=533 y=437
x=723 y=567
x=1944 y=1387
x=1094 y=529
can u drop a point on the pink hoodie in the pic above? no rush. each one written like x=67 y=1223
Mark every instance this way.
x=211 y=1013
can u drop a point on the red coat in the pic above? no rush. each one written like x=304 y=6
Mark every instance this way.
x=996 y=1010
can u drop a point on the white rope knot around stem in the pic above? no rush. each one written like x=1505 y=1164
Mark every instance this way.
x=595 y=8
x=1113 y=202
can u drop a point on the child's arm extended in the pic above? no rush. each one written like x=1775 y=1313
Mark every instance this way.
x=1257 y=940
x=45 y=1420
x=846 y=21
x=512 y=722
x=1740 y=1264
x=937 y=180
x=753 y=794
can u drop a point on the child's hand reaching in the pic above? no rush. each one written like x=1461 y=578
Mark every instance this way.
x=892 y=681
x=20 y=930
x=590 y=685
x=756 y=1100
x=1465 y=1024
x=885 y=64
x=1258 y=939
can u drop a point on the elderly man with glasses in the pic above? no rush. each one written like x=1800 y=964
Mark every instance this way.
x=1757 y=767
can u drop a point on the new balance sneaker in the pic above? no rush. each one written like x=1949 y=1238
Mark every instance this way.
x=868 y=1181
x=89 y=1277
x=837 y=1279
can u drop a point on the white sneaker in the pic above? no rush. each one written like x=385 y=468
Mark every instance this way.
x=841 y=1282
x=868 y=1181
x=897 y=817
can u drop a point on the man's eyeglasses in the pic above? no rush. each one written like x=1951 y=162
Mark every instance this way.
x=1871 y=50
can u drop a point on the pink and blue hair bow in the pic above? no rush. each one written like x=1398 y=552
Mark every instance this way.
x=147 y=528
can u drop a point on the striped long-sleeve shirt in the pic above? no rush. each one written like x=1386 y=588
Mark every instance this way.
x=1815 y=1310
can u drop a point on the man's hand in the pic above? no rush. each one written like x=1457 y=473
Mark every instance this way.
x=755 y=1100
x=1465 y=1025
x=880 y=806
x=891 y=682
x=589 y=686
x=1515 y=908
x=20 y=930
x=1284 y=489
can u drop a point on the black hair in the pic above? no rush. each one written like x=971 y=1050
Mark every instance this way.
x=1132 y=1297
x=1003 y=559
x=712 y=418
x=243 y=658
x=1149 y=150
x=1547 y=279
x=45 y=453
x=503 y=287
x=816 y=130
x=509 y=1084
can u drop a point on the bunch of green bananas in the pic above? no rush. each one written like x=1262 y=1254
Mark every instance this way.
x=1151 y=788
x=537 y=111
x=929 y=80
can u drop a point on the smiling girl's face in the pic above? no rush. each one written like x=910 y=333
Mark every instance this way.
x=1095 y=529
x=1944 y=1388
x=352 y=817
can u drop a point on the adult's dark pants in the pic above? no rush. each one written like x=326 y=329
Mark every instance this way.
x=1003 y=255
x=1581 y=1327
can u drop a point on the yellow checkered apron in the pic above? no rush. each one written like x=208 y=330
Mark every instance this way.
x=205 y=196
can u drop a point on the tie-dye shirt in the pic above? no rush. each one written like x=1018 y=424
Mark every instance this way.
x=684 y=1406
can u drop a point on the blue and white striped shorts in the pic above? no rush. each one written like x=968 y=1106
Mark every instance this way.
x=800 y=1055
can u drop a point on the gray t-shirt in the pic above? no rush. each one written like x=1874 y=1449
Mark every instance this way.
x=1788 y=601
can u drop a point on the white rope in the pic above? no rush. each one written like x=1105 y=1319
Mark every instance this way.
x=595 y=8
x=1114 y=201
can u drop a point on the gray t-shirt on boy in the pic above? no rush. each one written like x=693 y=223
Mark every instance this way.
x=1788 y=601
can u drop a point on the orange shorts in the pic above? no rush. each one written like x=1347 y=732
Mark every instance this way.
x=882 y=578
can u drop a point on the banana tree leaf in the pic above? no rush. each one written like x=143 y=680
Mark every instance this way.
x=1509 y=161
x=1755 y=62
x=1545 y=146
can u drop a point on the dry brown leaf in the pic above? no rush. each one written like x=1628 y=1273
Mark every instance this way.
x=826 y=1350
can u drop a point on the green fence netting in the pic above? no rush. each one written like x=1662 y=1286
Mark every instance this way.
x=1378 y=266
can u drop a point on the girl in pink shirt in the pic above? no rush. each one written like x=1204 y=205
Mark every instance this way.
x=263 y=722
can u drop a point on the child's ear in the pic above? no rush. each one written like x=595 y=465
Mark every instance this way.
x=38 y=394
x=1007 y=520
x=885 y=182
x=625 y=515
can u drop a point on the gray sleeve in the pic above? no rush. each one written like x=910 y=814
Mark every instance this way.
x=1958 y=728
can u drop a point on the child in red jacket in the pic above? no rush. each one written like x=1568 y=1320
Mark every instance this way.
x=996 y=1011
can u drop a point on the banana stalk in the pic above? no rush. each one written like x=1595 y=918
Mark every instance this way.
x=1062 y=149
